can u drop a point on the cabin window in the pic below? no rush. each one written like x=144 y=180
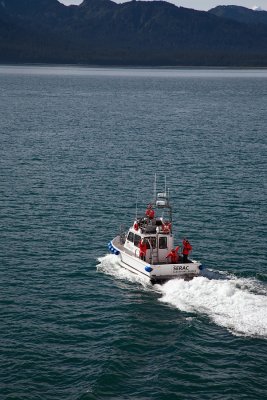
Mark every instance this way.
x=151 y=241
x=137 y=239
x=163 y=242
x=130 y=237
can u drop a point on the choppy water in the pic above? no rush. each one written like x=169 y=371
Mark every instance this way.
x=77 y=145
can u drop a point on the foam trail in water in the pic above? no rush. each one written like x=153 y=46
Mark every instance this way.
x=235 y=304
x=110 y=265
x=240 y=305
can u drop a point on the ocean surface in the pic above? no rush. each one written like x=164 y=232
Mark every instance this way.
x=79 y=149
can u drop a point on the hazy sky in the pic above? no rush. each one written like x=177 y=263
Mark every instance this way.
x=199 y=4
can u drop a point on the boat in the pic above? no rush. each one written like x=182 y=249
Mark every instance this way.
x=154 y=228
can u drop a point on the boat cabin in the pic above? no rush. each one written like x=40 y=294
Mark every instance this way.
x=157 y=233
x=157 y=260
x=158 y=245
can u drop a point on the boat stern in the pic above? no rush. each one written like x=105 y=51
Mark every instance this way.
x=166 y=272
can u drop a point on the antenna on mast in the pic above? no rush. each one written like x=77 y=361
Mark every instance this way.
x=155 y=189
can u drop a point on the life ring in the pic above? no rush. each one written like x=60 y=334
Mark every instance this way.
x=166 y=228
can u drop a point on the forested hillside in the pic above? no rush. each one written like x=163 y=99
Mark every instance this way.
x=132 y=33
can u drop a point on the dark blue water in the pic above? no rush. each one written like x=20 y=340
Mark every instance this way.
x=78 y=146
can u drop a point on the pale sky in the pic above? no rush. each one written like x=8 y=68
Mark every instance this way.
x=198 y=4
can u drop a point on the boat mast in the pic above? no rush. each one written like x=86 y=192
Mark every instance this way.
x=155 y=189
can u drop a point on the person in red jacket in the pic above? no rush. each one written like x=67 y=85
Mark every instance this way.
x=173 y=255
x=186 y=250
x=136 y=226
x=142 y=250
x=150 y=213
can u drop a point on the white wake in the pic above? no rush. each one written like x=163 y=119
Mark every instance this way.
x=237 y=304
x=110 y=265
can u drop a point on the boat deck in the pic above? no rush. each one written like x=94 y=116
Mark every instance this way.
x=120 y=246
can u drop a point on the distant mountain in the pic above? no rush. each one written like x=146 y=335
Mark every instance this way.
x=136 y=33
x=241 y=14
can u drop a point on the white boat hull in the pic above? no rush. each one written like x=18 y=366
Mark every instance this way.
x=156 y=273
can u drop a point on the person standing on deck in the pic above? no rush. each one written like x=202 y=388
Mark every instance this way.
x=173 y=255
x=142 y=249
x=150 y=213
x=186 y=250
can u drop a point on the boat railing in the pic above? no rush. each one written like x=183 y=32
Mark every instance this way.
x=122 y=234
x=151 y=257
